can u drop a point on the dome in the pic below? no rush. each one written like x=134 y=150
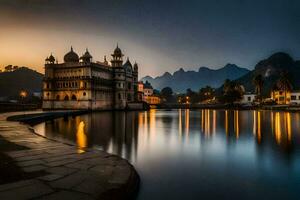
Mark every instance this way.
x=86 y=57
x=51 y=59
x=117 y=51
x=71 y=56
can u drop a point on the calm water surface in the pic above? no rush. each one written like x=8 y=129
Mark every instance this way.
x=193 y=154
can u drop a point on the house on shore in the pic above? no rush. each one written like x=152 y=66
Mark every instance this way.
x=248 y=98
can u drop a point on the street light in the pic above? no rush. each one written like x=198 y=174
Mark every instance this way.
x=23 y=95
x=187 y=100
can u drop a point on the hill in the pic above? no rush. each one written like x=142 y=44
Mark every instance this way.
x=271 y=69
x=11 y=83
x=182 y=80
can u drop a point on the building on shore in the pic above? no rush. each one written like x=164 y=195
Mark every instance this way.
x=295 y=97
x=81 y=83
x=248 y=98
x=140 y=91
x=149 y=96
x=281 y=97
x=286 y=98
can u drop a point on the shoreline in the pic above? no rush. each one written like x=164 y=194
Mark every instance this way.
x=92 y=174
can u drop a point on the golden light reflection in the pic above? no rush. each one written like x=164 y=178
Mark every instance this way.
x=152 y=124
x=141 y=119
x=272 y=121
x=207 y=117
x=187 y=121
x=146 y=122
x=254 y=122
x=259 y=126
x=226 y=122
x=236 y=124
x=208 y=122
x=289 y=126
x=282 y=126
x=202 y=121
x=81 y=138
x=180 y=122
x=277 y=128
x=214 y=121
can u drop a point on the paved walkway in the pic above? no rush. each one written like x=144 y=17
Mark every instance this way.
x=67 y=174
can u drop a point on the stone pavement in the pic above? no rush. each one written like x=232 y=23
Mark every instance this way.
x=67 y=174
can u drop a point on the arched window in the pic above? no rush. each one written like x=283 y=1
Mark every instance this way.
x=74 y=97
x=66 y=98
x=84 y=94
x=57 y=97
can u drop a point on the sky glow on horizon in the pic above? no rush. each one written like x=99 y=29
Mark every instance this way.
x=158 y=35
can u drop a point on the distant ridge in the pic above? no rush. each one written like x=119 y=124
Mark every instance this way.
x=181 y=80
x=271 y=69
x=11 y=83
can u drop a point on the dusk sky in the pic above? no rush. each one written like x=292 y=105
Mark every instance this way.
x=160 y=35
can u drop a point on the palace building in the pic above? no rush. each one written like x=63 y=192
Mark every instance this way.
x=81 y=83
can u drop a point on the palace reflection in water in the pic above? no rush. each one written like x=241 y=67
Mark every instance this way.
x=163 y=143
x=119 y=132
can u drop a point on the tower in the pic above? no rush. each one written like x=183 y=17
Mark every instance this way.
x=135 y=80
x=119 y=79
x=117 y=57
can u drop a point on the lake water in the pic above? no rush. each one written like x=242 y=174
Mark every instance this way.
x=193 y=154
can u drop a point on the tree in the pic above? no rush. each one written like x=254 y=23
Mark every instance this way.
x=167 y=94
x=8 y=68
x=191 y=96
x=232 y=92
x=258 y=83
x=206 y=93
x=284 y=84
x=15 y=68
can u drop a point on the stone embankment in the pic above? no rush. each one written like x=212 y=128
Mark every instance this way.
x=60 y=171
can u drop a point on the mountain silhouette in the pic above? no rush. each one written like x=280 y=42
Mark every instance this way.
x=182 y=80
x=11 y=83
x=271 y=69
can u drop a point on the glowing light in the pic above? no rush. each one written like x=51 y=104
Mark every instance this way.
x=187 y=121
x=214 y=121
x=236 y=123
x=23 y=94
x=277 y=128
x=207 y=120
x=81 y=138
x=254 y=123
x=202 y=120
x=289 y=126
x=226 y=122
x=152 y=122
x=259 y=126
x=180 y=122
